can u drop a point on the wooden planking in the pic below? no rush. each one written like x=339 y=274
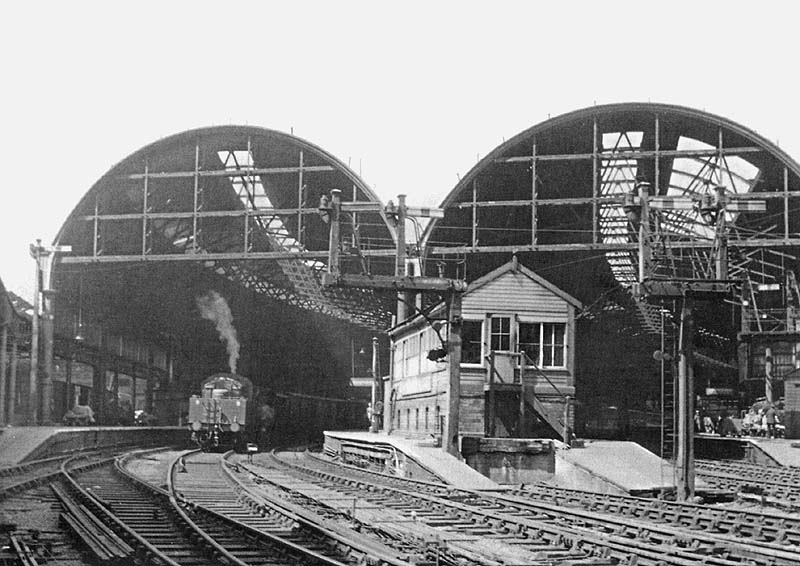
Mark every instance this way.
x=515 y=293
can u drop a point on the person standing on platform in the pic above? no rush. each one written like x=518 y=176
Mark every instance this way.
x=708 y=424
x=770 y=417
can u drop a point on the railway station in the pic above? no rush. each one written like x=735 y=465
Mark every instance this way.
x=589 y=353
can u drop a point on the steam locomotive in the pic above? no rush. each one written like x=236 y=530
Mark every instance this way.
x=218 y=417
x=230 y=414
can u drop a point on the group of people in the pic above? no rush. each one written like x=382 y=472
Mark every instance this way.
x=721 y=424
x=756 y=422
x=764 y=422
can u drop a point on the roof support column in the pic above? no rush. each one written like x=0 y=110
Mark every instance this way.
x=144 y=211
x=657 y=158
x=12 y=381
x=48 y=316
x=595 y=184
x=96 y=227
x=148 y=393
x=300 y=200
x=785 y=203
x=33 y=381
x=333 y=236
x=98 y=389
x=3 y=371
x=134 y=389
x=69 y=390
x=475 y=213
x=533 y=193
x=196 y=190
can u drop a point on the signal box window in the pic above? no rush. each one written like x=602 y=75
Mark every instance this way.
x=553 y=346
x=471 y=341
x=500 y=337
x=543 y=343
x=530 y=340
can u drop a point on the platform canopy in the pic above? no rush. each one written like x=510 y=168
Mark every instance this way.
x=243 y=203
x=556 y=194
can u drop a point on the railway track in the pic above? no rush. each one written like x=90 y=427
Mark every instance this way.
x=781 y=529
x=614 y=535
x=779 y=483
x=377 y=516
x=207 y=483
x=167 y=528
x=29 y=474
x=31 y=532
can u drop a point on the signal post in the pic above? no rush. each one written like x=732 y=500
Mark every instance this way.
x=712 y=206
x=453 y=289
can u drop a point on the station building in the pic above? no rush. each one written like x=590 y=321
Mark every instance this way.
x=517 y=369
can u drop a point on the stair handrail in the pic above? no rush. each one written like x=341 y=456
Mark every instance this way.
x=493 y=369
x=541 y=372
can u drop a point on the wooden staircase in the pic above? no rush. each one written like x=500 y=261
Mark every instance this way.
x=507 y=372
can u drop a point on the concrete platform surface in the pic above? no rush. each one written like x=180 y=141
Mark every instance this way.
x=21 y=443
x=779 y=449
x=624 y=466
x=17 y=442
x=450 y=469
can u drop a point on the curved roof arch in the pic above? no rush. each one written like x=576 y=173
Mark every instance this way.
x=243 y=201
x=613 y=112
x=233 y=133
x=585 y=162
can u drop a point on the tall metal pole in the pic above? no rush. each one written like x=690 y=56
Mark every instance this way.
x=333 y=237
x=400 y=265
x=721 y=267
x=47 y=353
x=663 y=376
x=375 y=377
x=42 y=288
x=685 y=459
x=644 y=232
x=454 y=386
x=12 y=381
x=33 y=381
x=3 y=371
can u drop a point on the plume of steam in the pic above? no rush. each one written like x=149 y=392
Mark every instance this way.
x=213 y=307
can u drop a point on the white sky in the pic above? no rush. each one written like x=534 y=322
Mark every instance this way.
x=410 y=92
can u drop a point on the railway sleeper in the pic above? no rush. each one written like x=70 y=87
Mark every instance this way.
x=23 y=551
x=104 y=543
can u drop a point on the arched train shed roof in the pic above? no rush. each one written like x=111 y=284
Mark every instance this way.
x=585 y=161
x=242 y=200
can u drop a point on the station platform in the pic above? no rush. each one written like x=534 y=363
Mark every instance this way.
x=448 y=468
x=754 y=449
x=785 y=452
x=26 y=443
x=605 y=466
x=612 y=466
